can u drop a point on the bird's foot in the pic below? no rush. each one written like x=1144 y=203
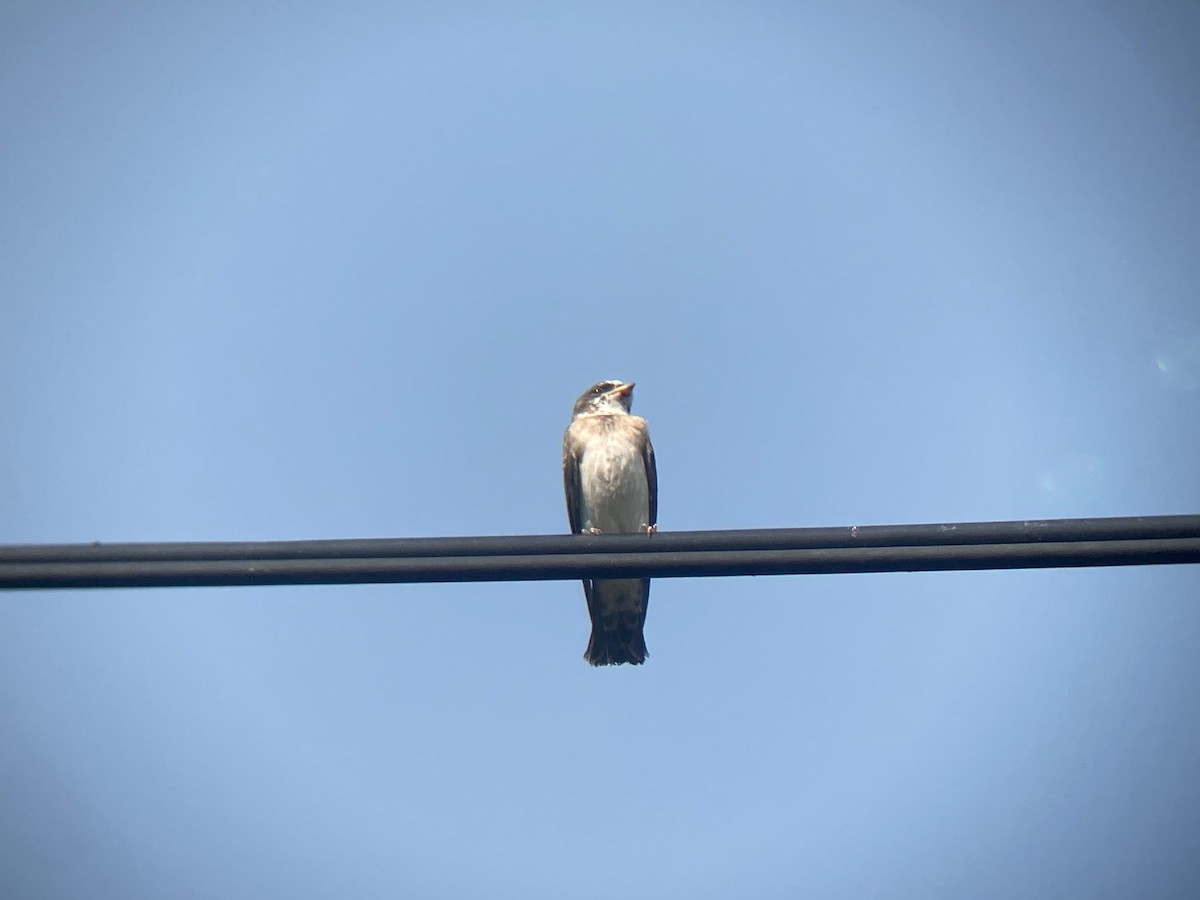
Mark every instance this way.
x=649 y=529
x=591 y=531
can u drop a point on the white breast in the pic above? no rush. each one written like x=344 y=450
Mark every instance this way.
x=616 y=497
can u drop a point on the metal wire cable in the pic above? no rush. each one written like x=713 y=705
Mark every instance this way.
x=1143 y=540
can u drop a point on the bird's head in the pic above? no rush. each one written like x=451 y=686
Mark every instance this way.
x=610 y=397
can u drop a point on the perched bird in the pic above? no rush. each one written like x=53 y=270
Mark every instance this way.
x=612 y=488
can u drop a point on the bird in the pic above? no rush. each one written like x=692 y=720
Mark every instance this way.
x=611 y=483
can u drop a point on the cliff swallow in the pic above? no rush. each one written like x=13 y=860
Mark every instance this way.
x=612 y=488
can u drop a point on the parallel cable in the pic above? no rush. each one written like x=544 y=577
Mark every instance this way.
x=1054 y=543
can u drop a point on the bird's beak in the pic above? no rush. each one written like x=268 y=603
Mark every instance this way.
x=623 y=391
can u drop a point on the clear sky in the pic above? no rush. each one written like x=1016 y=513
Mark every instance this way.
x=289 y=270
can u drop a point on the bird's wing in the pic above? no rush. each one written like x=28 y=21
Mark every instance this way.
x=572 y=485
x=573 y=488
x=651 y=475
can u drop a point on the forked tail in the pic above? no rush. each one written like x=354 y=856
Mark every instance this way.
x=618 y=613
x=612 y=648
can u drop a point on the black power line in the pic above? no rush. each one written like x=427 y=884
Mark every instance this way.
x=1053 y=543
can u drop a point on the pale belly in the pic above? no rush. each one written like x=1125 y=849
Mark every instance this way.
x=616 y=497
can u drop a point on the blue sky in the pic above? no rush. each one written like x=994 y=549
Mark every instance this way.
x=277 y=271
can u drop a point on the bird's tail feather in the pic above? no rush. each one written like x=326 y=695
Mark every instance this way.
x=612 y=648
x=618 y=613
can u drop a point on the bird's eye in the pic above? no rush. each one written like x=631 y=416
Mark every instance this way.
x=599 y=389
